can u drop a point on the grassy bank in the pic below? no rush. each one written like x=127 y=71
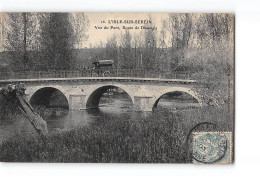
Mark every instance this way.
x=160 y=137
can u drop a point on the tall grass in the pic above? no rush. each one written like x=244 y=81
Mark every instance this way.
x=159 y=137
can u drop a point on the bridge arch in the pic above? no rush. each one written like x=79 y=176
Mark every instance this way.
x=49 y=96
x=189 y=91
x=94 y=97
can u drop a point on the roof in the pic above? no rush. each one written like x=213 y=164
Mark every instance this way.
x=105 y=62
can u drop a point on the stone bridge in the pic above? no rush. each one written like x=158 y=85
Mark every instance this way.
x=85 y=92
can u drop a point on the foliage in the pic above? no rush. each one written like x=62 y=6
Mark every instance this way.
x=179 y=26
x=56 y=36
x=161 y=137
x=126 y=56
x=19 y=30
x=42 y=41
x=8 y=108
x=112 y=50
x=80 y=26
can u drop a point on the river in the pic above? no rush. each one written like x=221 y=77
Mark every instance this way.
x=63 y=119
x=108 y=107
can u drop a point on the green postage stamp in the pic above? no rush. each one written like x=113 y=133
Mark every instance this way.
x=212 y=147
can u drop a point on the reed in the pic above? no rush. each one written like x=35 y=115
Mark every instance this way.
x=161 y=137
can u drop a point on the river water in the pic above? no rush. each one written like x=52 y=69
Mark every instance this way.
x=63 y=119
x=108 y=107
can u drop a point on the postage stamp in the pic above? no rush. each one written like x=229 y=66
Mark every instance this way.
x=212 y=147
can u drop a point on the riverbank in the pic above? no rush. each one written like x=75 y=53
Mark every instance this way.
x=145 y=138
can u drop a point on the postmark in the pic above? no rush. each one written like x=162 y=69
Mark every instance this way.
x=212 y=147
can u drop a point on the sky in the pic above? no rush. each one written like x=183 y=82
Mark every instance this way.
x=97 y=35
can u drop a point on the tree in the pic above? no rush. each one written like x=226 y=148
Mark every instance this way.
x=179 y=27
x=213 y=52
x=25 y=54
x=80 y=25
x=138 y=43
x=162 y=48
x=112 y=49
x=150 y=48
x=56 y=41
x=126 y=57
x=18 y=31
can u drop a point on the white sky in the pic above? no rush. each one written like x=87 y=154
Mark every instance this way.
x=95 y=36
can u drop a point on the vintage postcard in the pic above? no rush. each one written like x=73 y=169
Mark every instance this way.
x=117 y=87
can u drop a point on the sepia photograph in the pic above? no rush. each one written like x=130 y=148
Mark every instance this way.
x=92 y=87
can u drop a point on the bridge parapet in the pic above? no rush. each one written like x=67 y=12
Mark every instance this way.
x=104 y=79
x=95 y=73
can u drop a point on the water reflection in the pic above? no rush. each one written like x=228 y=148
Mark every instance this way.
x=109 y=107
x=59 y=119
x=174 y=103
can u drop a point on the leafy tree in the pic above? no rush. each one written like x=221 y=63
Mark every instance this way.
x=150 y=48
x=213 y=53
x=56 y=35
x=138 y=43
x=80 y=26
x=19 y=30
x=112 y=49
x=126 y=57
x=179 y=27
x=163 y=48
